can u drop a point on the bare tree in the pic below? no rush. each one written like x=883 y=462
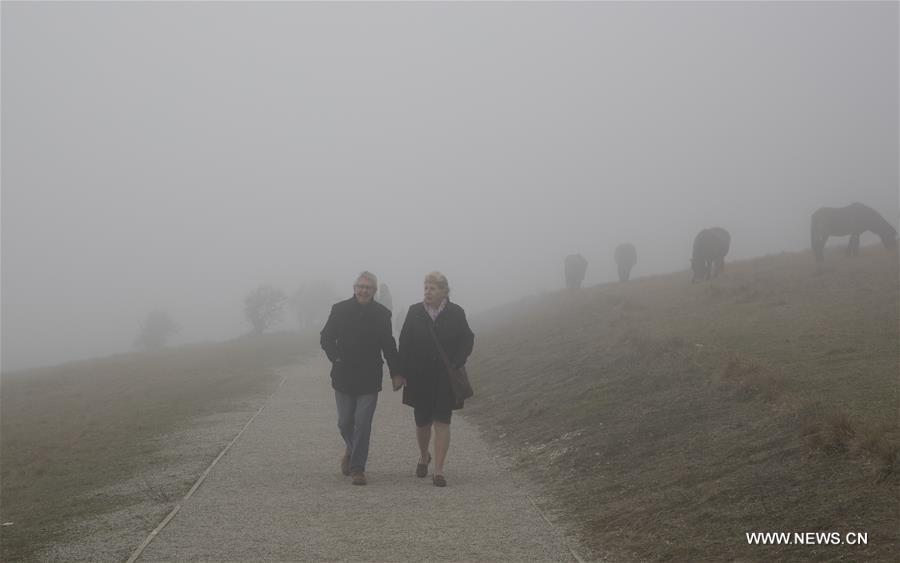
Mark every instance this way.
x=264 y=307
x=155 y=331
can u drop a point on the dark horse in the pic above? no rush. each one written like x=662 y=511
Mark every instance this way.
x=626 y=258
x=575 y=266
x=852 y=220
x=710 y=247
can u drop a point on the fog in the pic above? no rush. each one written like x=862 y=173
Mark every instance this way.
x=176 y=155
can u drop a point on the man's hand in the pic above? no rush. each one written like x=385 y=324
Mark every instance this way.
x=398 y=381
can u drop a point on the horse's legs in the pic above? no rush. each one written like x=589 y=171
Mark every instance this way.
x=853 y=247
x=819 y=248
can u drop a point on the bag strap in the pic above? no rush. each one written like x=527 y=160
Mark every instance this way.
x=439 y=347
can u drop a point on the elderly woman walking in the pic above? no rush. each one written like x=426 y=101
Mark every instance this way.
x=433 y=322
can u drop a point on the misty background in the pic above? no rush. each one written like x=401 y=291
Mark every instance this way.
x=177 y=155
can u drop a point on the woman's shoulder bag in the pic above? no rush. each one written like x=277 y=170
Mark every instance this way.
x=459 y=378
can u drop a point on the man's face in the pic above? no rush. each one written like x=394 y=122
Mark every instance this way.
x=364 y=290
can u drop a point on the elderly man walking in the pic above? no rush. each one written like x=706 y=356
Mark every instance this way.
x=356 y=335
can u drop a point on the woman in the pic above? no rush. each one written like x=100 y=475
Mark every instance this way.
x=427 y=387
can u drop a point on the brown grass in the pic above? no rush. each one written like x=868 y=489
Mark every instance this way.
x=751 y=379
x=76 y=429
x=668 y=419
x=665 y=419
x=872 y=444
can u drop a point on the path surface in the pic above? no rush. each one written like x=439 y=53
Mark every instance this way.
x=278 y=494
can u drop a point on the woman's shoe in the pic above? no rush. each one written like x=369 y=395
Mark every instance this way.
x=422 y=468
x=438 y=480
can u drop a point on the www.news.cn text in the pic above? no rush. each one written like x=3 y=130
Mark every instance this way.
x=807 y=538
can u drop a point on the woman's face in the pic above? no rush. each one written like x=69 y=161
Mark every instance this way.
x=433 y=294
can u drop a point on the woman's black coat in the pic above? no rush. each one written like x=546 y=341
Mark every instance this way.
x=427 y=385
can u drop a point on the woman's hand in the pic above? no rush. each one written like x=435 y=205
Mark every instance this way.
x=398 y=381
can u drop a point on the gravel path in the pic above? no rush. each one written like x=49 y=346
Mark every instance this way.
x=278 y=494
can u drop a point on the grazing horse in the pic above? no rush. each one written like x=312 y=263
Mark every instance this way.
x=852 y=220
x=710 y=247
x=626 y=258
x=576 y=266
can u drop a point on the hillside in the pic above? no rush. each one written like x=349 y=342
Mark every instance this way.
x=664 y=420
x=104 y=448
x=667 y=420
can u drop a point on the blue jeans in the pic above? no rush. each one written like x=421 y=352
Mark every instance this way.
x=355 y=414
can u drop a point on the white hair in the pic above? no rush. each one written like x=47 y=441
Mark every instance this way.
x=439 y=280
x=369 y=276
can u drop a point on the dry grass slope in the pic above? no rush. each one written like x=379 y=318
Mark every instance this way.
x=72 y=433
x=665 y=419
x=668 y=419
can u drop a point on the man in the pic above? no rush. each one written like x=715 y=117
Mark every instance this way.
x=357 y=333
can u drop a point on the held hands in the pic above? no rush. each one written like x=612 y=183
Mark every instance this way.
x=398 y=381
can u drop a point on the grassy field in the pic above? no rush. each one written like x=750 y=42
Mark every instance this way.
x=664 y=420
x=667 y=420
x=71 y=433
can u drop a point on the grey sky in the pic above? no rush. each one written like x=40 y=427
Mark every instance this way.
x=176 y=155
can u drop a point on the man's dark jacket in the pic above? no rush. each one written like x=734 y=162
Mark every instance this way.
x=354 y=339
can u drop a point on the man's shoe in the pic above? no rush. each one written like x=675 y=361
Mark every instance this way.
x=359 y=478
x=345 y=464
